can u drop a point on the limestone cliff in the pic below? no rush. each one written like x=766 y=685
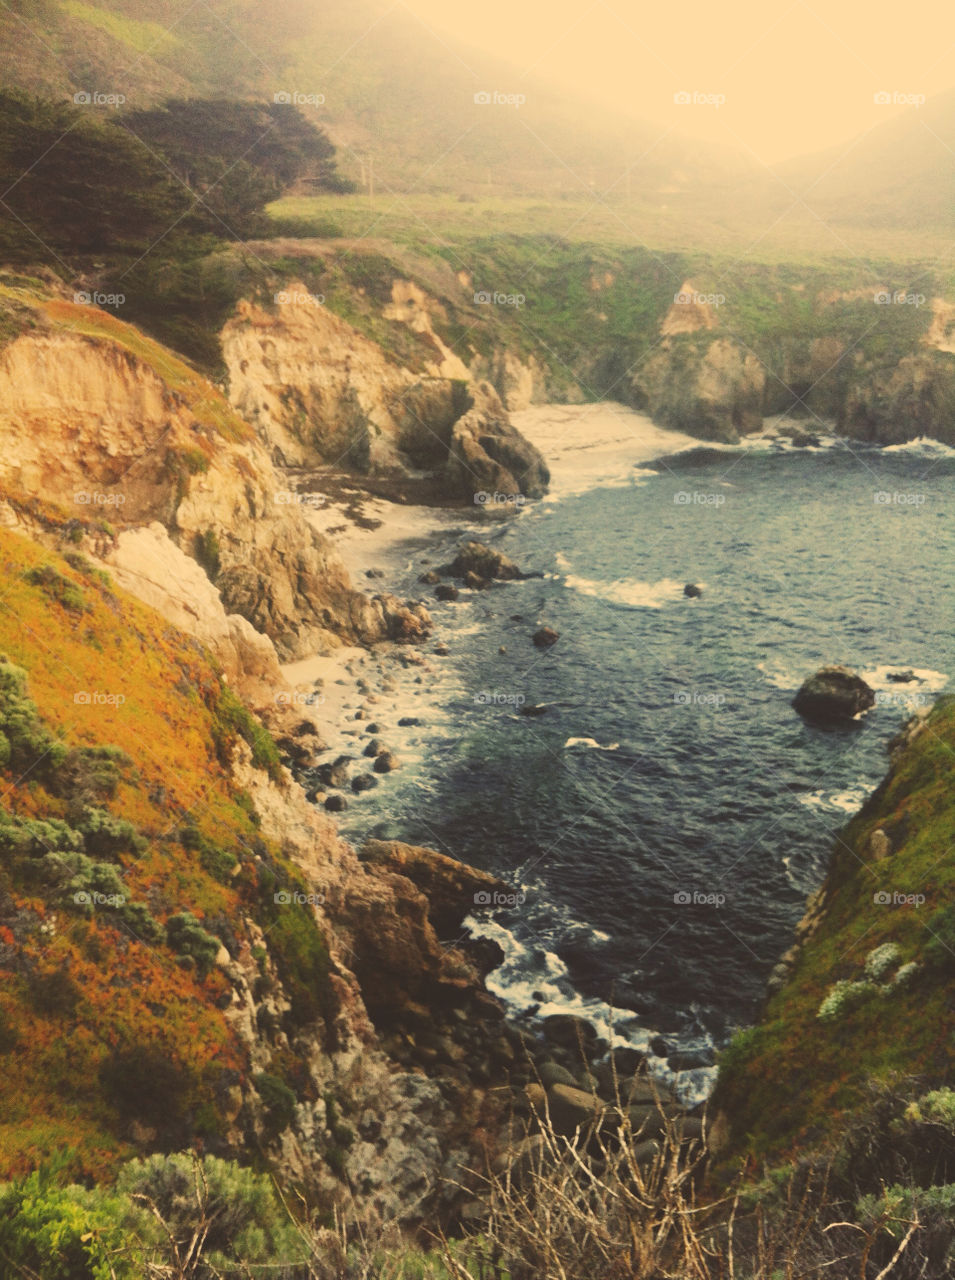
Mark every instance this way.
x=104 y=423
x=319 y=392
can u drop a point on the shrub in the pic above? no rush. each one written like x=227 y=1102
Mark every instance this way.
x=231 y=720
x=144 y=1084
x=106 y=835
x=66 y=1233
x=207 y=552
x=57 y=587
x=245 y=1231
x=881 y=960
x=843 y=997
x=940 y=947
x=279 y=1100
x=186 y=936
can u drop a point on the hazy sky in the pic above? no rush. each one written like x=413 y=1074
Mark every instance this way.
x=796 y=77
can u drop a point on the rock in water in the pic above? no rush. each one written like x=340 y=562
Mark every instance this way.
x=364 y=782
x=545 y=637
x=692 y=590
x=446 y=592
x=387 y=762
x=833 y=694
x=336 y=804
x=476 y=558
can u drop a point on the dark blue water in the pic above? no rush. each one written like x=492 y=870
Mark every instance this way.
x=665 y=863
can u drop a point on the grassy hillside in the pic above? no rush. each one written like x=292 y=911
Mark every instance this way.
x=870 y=999
x=125 y=871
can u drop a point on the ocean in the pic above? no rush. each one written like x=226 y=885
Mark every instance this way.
x=662 y=818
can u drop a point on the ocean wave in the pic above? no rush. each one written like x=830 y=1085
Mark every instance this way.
x=590 y=744
x=629 y=592
x=849 y=801
x=922 y=447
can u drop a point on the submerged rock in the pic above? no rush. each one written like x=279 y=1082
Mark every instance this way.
x=692 y=591
x=446 y=592
x=364 y=782
x=833 y=694
x=545 y=637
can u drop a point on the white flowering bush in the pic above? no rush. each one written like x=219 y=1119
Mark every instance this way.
x=904 y=975
x=881 y=960
x=843 y=997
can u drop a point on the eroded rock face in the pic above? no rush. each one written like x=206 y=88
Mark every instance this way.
x=88 y=425
x=490 y=456
x=900 y=402
x=318 y=391
x=833 y=694
x=711 y=388
x=452 y=888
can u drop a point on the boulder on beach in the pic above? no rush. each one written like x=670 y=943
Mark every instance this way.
x=545 y=637
x=833 y=694
x=374 y=748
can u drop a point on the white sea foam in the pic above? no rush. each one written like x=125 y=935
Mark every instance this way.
x=848 y=801
x=590 y=744
x=631 y=593
x=922 y=447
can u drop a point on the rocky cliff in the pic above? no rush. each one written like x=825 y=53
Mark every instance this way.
x=862 y=999
x=319 y=392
